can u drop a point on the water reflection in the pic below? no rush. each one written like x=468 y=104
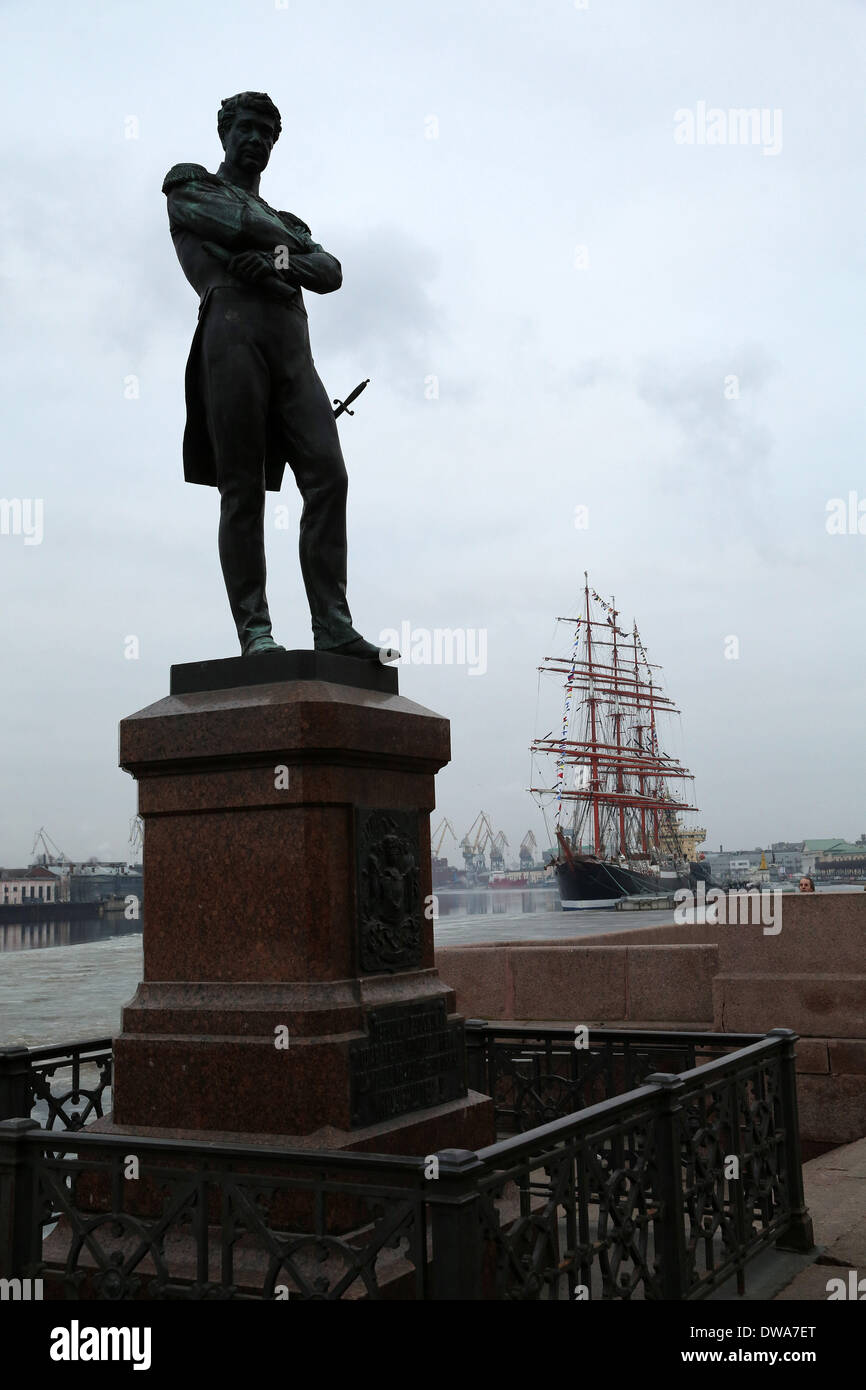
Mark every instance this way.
x=471 y=902
x=453 y=903
x=31 y=936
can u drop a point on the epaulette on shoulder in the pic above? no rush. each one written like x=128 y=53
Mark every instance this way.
x=294 y=221
x=183 y=173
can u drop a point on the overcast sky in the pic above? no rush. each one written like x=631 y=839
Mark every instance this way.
x=692 y=376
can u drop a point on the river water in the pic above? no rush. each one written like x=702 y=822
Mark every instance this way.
x=67 y=981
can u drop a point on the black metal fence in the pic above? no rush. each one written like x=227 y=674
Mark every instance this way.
x=65 y=1086
x=642 y=1165
x=537 y=1075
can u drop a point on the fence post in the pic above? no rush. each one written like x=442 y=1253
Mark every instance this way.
x=671 y=1257
x=799 y=1235
x=17 y=1200
x=16 y=1084
x=476 y=1054
x=458 y=1248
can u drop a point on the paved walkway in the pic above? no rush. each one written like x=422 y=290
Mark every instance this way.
x=836 y=1197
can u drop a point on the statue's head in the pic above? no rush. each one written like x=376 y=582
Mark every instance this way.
x=249 y=126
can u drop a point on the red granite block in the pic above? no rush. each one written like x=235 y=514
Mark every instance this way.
x=231 y=1083
x=480 y=978
x=812 y=1055
x=314 y=716
x=832 y=1108
x=578 y=983
x=666 y=982
x=254 y=895
x=848 y=1056
x=814 y=1005
x=255 y=885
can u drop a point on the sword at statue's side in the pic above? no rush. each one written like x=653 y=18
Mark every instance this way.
x=353 y=396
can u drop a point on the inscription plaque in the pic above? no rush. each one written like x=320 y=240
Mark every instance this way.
x=412 y=1058
x=390 y=915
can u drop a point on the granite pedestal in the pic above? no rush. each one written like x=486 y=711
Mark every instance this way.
x=289 y=987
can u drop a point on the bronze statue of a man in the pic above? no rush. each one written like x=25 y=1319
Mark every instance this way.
x=253 y=397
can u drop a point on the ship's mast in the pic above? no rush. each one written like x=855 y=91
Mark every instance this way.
x=593 y=761
x=617 y=718
x=653 y=750
x=609 y=730
x=639 y=727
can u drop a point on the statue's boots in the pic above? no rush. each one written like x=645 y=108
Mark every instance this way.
x=261 y=644
x=366 y=651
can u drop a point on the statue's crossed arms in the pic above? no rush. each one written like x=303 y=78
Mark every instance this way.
x=208 y=208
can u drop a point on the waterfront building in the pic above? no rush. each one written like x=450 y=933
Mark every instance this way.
x=788 y=855
x=813 y=848
x=845 y=861
x=780 y=861
x=735 y=864
x=35 y=885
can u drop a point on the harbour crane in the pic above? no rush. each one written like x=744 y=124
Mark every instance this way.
x=136 y=837
x=528 y=848
x=473 y=849
x=497 y=856
x=51 y=853
x=443 y=828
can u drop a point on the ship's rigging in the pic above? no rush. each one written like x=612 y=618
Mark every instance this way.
x=617 y=796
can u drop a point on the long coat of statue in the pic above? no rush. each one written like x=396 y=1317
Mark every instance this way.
x=205 y=211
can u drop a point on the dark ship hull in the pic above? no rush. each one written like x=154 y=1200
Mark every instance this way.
x=593 y=883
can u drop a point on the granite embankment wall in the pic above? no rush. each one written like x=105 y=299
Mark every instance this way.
x=810 y=976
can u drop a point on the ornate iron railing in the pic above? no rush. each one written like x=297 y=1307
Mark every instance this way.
x=135 y=1218
x=65 y=1086
x=663 y=1192
x=536 y=1075
x=666 y=1192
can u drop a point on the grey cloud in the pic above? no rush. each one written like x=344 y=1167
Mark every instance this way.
x=386 y=312
x=717 y=431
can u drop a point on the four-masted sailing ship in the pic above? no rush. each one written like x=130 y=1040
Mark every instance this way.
x=618 y=798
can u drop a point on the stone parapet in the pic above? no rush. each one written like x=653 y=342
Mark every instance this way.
x=809 y=976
